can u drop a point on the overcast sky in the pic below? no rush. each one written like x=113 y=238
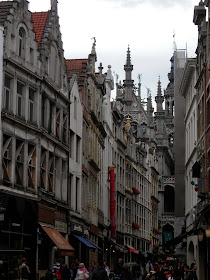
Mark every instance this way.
x=147 y=26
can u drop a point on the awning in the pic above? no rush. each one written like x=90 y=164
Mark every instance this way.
x=85 y=241
x=131 y=249
x=136 y=252
x=120 y=248
x=65 y=249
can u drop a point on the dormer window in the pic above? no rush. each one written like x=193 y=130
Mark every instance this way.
x=22 y=36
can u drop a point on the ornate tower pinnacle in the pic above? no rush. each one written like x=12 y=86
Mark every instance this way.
x=128 y=67
x=159 y=92
x=139 y=86
x=159 y=97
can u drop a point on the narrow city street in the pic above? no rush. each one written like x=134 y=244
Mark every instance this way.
x=105 y=140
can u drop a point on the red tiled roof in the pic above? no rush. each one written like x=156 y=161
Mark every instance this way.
x=5 y=7
x=39 y=19
x=74 y=66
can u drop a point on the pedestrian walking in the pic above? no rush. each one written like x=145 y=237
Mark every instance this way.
x=100 y=273
x=65 y=272
x=57 y=275
x=186 y=271
x=192 y=273
x=75 y=267
x=118 y=269
x=82 y=273
x=24 y=270
x=56 y=266
x=106 y=268
x=149 y=266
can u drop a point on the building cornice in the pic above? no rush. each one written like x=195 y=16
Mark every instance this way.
x=187 y=75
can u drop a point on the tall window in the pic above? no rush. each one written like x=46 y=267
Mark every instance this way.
x=78 y=149
x=169 y=199
x=72 y=144
x=77 y=206
x=31 y=166
x=75 y=107
x=20 y=87
x=44 y=111
x=22 y=35
x=7 y=157
x=19 y=168
x=7 y=93
x=65 y=127
x=58 y=122
x=43 y=171
x=51 y=172
x=31 y=105
x=50 y=121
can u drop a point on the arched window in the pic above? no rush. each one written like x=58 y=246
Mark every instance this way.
x=169 y=199
x=168 y=234
x=22 y=37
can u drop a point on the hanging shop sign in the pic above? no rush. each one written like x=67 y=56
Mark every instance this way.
x=80 y=229
x=61 y=226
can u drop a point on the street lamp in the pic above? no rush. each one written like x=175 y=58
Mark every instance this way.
x=200 y=236
x=207 y=232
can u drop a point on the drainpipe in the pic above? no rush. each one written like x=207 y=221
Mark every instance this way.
x=112 y=201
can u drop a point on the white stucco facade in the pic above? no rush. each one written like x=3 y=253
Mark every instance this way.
x=187 y=89
x=75 y=160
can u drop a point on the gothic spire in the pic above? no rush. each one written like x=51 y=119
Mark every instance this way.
x=128 y=60
x=128 y=67
x=159 y=97
x=159 y=91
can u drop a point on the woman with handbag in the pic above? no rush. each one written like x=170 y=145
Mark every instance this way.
x=82 y=273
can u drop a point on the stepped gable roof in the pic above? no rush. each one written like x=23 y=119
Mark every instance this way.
x=5 y=7
x=76 y=66
x=40 y=20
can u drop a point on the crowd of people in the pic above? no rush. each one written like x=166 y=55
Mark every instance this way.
x=163 y=271
x=101 y=271
x=77 y=271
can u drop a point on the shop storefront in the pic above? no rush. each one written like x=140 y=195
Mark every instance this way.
x=85 y=244
x=18 y=236
x=52 y=239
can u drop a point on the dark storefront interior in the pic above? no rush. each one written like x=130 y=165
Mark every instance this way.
x=17 y=235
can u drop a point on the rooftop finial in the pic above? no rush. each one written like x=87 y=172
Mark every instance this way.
x=93 y=46
x=159 y=93
x=128 y=60
x=100 y=68
x=54 y=5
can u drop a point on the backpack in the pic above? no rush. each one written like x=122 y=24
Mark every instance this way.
x=24 y=272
